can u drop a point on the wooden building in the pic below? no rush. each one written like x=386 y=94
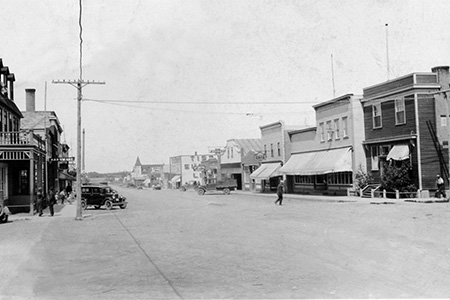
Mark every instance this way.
x=406 y=120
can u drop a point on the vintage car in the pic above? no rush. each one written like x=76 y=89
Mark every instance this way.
x=4 y=212
x=101 y=195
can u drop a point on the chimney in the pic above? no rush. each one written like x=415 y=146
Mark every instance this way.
x=443 y=76
x=30 y=100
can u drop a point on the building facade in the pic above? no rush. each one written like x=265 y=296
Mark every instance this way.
x=22 y=153
x=276 y=150
x=406 y=122
x=185 y=169
x=147 y=175
x=324 y=159
x=233 y=165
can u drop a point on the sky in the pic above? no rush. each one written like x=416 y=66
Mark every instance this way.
x=185 y=76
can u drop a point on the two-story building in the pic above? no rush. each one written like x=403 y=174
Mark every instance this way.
x=406 y=121
x=276 y=151
x=235 y=165
x=22 y=153
x=46 y=125
x=324 y=159
x=185 y=169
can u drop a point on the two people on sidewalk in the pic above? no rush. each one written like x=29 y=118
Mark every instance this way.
x=42 y=201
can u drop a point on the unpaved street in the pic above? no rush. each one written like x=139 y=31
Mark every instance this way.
x=174 y=245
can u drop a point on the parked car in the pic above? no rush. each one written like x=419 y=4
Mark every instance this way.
x=4 y=212
x=156 y=187
x=191 y=185
x=101 y=195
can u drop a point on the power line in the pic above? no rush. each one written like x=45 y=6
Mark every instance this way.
x=199 y=111
x=201 y=102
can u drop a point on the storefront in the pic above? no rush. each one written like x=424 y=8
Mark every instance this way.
x=267 y=176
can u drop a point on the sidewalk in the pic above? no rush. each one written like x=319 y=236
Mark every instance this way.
x=326 y=198
x=61 y=210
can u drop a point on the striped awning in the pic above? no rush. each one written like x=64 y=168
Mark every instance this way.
x=320 y=162
x=266 y=171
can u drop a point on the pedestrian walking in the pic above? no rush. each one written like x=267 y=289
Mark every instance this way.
x=62 y=196
x=51 y=201
x=280 y=190
x=440 y=186
x=40 y=201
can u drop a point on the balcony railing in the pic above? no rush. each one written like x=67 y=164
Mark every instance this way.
x=14 y=138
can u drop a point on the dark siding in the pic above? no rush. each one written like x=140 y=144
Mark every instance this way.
x=429 y=156
x=389 y=128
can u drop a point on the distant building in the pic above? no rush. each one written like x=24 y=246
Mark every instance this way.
x=147 y=175
x=234 y=166
x=184 y=169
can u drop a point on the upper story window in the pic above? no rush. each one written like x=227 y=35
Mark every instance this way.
x=376 y=115
x=231 y=152
x=265 y=149
x=279 y=149
x=400 y=111
x=329 y=131
x=443 y=121
x=186 y=166
x=228 y=152
x=344 y=127
x=336 y=129
x=271 y=150
x=322 y=132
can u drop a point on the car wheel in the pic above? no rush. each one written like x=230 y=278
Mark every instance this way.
x=4 y=218
x=123 y=206
x=226 y=191
x=108 y=204
x=201 y=192
x=97 y=207
x=83 y=204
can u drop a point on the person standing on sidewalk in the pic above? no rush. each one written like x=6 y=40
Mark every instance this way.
x=441 y=187
x=51 y=201
x=40 y=201
x=280 y=190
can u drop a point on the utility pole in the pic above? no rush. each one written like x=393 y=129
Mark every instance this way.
x=78 y=84
x=84 y=151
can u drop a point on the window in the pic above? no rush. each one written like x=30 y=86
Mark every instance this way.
x=443 y=121
x=374 y=156
x=400 y=111
x=271 y=150
x=232 y=153
x=329 y=131
x=265 y=150
x=336 y=129
x=228 y=152
x=279 y=149
x=186 y=166
x=344 y=127
x=322 y=132
x=376 y=114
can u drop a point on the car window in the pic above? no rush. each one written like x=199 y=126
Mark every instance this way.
x=96 y=190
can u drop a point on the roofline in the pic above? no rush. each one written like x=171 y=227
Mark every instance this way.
x=280 y=122
x=397 y=78
x=346 y=96
x=302 y=130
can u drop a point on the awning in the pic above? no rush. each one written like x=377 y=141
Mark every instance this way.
x=176 y=178
x=265 y=171
x=66 y=176
x=321 y=162
x=399 y=152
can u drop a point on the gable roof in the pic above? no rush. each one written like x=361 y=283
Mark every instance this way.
x=39 y=120
x=10 y=105
x=249 y=144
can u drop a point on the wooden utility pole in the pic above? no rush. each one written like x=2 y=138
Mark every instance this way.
x=78 y=84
